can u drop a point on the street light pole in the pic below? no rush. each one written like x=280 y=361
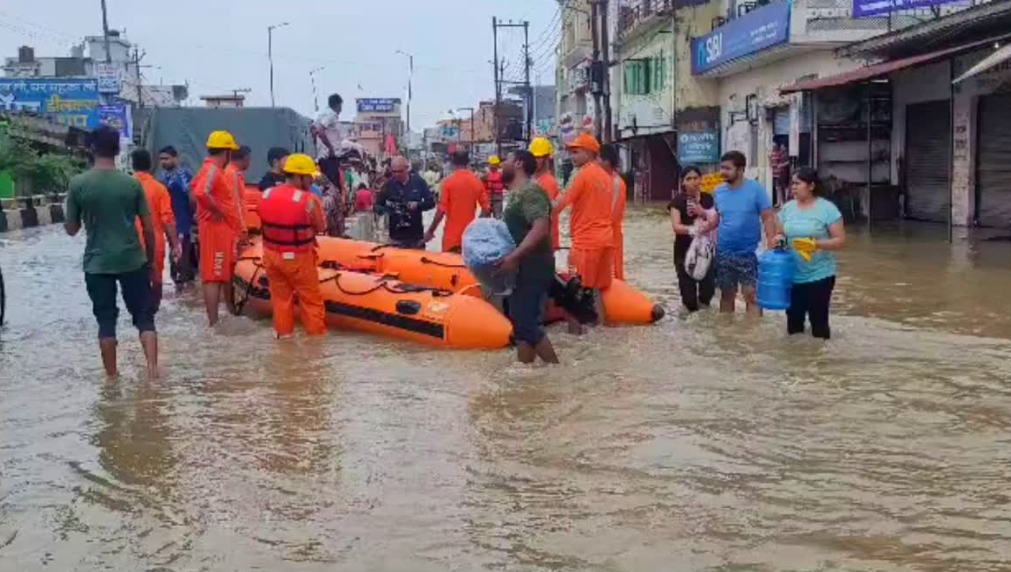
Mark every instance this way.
x=312 y=79
x=410 y=90
x=270 y=55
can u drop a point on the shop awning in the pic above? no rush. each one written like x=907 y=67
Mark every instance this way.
x=881 y=69
x=998 y=57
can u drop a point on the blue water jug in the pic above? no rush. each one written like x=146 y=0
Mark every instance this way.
x=775 y=279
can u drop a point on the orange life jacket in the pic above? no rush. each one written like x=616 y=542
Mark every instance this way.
x=287 y=226
x=495 y=184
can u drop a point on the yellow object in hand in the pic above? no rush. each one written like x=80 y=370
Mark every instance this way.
x=805 y=247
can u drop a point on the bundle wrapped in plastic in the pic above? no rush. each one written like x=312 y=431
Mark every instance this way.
x=486 y=241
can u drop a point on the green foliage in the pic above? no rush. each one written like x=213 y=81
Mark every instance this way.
x=43 y=172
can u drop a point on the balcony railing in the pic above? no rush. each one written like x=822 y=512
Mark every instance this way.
x=634 y=13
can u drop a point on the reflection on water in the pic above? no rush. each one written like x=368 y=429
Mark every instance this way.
x=703 y=443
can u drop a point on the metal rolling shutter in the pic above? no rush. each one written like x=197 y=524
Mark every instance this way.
x=928 y=155
x=994 y=167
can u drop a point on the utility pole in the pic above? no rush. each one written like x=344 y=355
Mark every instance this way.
x=605 y=41
x=528 y=90
x=136 y=65
x=105 y=32
x=500 y=75
x=498 y=88
x=598 y=118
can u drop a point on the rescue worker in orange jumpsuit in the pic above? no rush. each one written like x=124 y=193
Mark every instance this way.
x=611 y=163
x=220 y=224
x=543 y=151
x=236 y=173
x=292 y=217
x=591 y=224
x=163 y=220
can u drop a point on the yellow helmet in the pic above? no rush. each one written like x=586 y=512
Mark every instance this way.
x=541 y=147
x=300 y=164
x=494 y=160
x=222 y=140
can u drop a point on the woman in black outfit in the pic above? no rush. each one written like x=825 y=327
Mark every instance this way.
x=689 y=204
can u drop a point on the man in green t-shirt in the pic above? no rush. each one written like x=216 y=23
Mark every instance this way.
x=108 y=203
x=528 y=216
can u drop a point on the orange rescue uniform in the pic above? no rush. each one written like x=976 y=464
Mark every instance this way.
x=291 y=219
x=238 y=182
x=618 y=205
x=219 y=231
x=160 y=203
x=462 y=193
x=549 y=183
x=592 y=228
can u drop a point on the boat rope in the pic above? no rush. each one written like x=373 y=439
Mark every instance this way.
x=239 y=305
x=427 y=260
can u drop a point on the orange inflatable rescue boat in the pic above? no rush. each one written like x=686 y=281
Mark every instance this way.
x=623 y=304
x=382 y=305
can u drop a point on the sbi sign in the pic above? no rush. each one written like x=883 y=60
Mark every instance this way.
x=748 y=34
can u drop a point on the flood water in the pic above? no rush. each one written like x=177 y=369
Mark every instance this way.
x=697 y=444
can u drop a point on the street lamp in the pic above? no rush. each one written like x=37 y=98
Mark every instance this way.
x=410 y=77
x=270 y=55
x=312 y=79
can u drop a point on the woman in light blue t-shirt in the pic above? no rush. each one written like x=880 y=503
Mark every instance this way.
x=812 y=228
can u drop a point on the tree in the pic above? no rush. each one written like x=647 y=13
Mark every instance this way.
x=33 y=170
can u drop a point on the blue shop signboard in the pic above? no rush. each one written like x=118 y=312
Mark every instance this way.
x=117 y=116
x=72 y=102
x=753 y=32
x=871 y=8
x=378 y=104
x=699 y=148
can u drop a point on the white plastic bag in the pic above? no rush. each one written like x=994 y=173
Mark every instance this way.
x=700 y=257
x=486 y=241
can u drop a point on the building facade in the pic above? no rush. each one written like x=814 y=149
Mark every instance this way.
x=576 y=107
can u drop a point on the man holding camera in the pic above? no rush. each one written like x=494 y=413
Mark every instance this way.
x=402 y=199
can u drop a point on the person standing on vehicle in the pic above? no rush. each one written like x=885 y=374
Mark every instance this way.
x=462 y=195
x=328 y=132
x=543 y=151
x=495 y=184
x=689 y=205
x=162 y=219
x=177 y=179
x=402 y=200
x=742 y=210
x=292 y=217
x=108 y=202
x=219 y=222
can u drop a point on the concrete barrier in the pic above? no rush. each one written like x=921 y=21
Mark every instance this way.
x=27 y=212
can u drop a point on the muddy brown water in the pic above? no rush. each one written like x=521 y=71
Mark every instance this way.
x=697 y=444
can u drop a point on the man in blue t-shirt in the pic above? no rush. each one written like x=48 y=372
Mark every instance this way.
x=177 y=179
x=743 y=208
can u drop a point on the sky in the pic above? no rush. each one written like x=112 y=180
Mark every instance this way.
x=225 y=48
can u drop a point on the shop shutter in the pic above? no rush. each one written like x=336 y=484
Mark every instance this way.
x=994 y=157
x=928 y=156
